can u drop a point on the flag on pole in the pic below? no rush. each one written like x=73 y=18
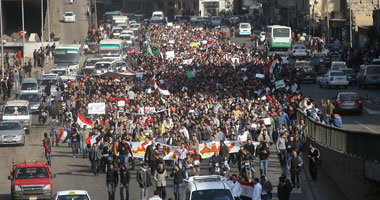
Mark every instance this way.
x=162 y=55
x=190 y=74
x=62 y=136
x=271 y=66
x=212 y=70
x=150 y=52
x=158 y=52
x=84 y=121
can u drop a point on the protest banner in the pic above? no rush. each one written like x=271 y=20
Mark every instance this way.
x=279 y=84
x=169 y=55
x=148 y=110
x=260 y=76
x=139 y=75
x=190 y=74
x=121 y=103
x=267 y=121
x=96 y=108
x=187 y=61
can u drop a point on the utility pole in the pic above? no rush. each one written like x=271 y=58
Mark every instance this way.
x=23 y=32
x=2 y=39
x=350 y=23
x=95 y=15
x=48 y=18
x=378 y=17
x=313 y=20
x=328 y=23
x=42 y=23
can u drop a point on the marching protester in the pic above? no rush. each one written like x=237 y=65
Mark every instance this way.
x=235 y=187
x=160 y=176
x=47 y=148
x=294 y=164
x=112 y=181
x=266 y=193
x=313 y=156
x=125 y=177
x=257 y=189
x=95 y=156
x=144 y=178
x=178 y=176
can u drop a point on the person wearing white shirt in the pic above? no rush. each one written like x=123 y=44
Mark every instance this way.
x=155 y=196
x=235 y=187
x=257 y=190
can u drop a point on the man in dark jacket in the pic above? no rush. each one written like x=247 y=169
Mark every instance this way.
x=178 y=175
x=294 y=165
x=124 y=150
x=283 y=189
x=75 y=142
x=313 y=161
x=144 y=178
x=124 y=182
x=224 y=153
x=112 y=180
x=263 y=153
x=95 y=157
x=149 y=157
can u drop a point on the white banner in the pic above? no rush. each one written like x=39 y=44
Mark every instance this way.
x=96 y=108
x=121 y=103
x=148 y=110
x=169 y=55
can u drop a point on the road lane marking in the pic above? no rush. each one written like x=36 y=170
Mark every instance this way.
x=371 y=112
x=365 y=126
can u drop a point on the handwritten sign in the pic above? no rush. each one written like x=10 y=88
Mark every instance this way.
x=96 y=108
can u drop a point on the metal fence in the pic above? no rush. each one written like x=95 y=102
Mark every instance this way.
x=358 y=143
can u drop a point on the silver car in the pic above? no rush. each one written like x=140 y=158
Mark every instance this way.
x=34 y=100
x=11 y=132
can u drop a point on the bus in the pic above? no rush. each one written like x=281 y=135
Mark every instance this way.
x=111 y=49
x=120 y=20
x=67 y=55
x=278 y=37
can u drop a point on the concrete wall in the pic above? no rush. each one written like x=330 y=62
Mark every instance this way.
x=345 y=170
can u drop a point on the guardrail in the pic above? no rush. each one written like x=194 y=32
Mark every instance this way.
x=358 y=143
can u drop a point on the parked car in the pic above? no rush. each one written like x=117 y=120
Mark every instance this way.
x=283 y=56
x=369 y=75
x=72 y=195
x=299 y=51
x=11 y=132
x=333 y=78
x=33 y=98
x=348 y=102
x=69 y=17
x=207 y=187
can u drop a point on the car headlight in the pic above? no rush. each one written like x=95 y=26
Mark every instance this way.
x=17 y=188
x=47 y=187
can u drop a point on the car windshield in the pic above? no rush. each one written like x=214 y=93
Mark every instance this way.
x=31 y=173
x=59 y=72
x=102 y=66
x=62 y=56
x=109 y=52
x=29 y=86
x=117 y=30
x=244 y=26
x=336 y=74
x=299 y=47
x=338 y=66
x=69 y=14
x=15 y=110
x=47 y=82
x=302 y=64
x=347 y=71
x=348 y=96
x=73 y=197
x=373 y=70
x=91 y=62
x=9 y=126
x=307 y=69
x=216 y=194
x=281 y=32
x=29 y=97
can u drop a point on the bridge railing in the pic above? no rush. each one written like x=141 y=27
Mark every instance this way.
x=358 y=143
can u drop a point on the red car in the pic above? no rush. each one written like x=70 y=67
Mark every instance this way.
x=306 y=73
x=31 y=180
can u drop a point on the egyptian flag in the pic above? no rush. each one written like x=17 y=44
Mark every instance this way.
x=270 y=99
x=196 y=51
x=84 y=121
x=162 y=55
x=271 y=66
x=246 y=188
x=62 y=136
x=212 y=70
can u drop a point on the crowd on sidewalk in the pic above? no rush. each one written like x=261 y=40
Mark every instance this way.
x=211 y=90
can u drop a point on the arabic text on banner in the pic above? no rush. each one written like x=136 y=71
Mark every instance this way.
x=96 y=108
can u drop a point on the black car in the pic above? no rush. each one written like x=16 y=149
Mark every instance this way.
x=351 y=75
x=348 y=102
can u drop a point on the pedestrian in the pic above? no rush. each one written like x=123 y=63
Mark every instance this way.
x=178 y=175
x=294 y=165
x=155 y=196
x=160 y=176
x=281 y=149
x=150 y=158
x=95 y=156
x=84 y=134
x=4 y=86
x=144 y=178
x=284 y=189
x=196 y=162
x=75 y=142
x=182 y=152
x=124 y=150
x=112 y=179
x=224 y=152
x=266 y=193
x=257 y=189
x=125 y=177
x=263 y=153
x=235 y=187
x=313 y=156
x=47 y=148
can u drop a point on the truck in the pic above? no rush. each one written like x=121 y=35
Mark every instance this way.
x=31 y=180
x=18 y=110
x=111 y=48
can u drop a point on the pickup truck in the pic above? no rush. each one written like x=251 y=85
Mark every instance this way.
x=31 y=180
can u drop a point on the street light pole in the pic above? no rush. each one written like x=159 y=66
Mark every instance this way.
x=350 y=24
x=2 y=39
x=313 y=20
x=23 y=32
x=328 y=23
x=48 y=18
x=42 y=23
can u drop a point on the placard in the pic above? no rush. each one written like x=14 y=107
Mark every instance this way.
x=260 y=76
x=96 y=108
x=267 y=121
x=121 y=103
x=169 y=55
x=139 y=75
x=279 y=84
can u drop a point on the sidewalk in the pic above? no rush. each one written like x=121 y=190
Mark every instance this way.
x=323 y=189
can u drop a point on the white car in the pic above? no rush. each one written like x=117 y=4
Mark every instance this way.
x=128 y=32
x=299 y=50
x=338 y=65
x=262 y=37
x=69 y=17
x=283 y=56
x=134 y=27
x=205 y=187
x=72 y=194
x=244 y=29
x=333 y=78
x=116 y=31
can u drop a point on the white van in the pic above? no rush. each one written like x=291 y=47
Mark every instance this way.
x=158 y=14
x=207 y=187
x=18 y=110
x=369 y=75
x=244 y=29
x=29 y=85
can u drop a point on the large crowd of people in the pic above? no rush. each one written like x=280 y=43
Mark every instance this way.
x=211 y=90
